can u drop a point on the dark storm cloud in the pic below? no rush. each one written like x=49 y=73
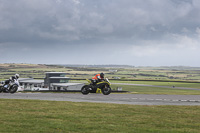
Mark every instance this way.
x=71 y=20
x=125 y=26
x=28 y=21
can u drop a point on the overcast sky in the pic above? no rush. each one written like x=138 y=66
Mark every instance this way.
x=128 y=32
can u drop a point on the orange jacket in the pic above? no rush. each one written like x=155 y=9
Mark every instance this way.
x=96 y=77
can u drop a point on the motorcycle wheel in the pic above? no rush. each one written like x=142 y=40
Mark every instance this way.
x=13 y=89
x=1 y=89
x=106 y=90
x=85 y=90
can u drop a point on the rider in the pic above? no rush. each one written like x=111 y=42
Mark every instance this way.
x=13 y=79
x=97 y=78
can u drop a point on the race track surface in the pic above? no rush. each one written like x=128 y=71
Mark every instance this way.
x=134 y=99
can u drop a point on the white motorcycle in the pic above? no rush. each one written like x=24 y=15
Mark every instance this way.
x=9 y=87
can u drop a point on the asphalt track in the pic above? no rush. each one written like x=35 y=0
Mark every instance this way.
x=134 y=99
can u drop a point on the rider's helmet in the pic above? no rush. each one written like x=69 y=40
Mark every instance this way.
x=16 y=76
x=102 y=75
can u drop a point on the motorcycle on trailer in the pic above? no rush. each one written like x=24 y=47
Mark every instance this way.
x=104 y=85
x=10 y=87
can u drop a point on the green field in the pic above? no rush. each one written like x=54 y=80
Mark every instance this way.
x=172 y=90
x=126 y=73
x=156 y=90
x=34 y=116
x=159 y=76
x=157 y=83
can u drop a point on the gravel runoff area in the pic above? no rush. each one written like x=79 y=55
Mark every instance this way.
x=134 y=99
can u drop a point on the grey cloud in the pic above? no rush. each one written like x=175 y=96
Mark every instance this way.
x=47 y=25
x=64 y=21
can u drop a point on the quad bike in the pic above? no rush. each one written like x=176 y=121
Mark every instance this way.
x=104 y=85
x=11 y=87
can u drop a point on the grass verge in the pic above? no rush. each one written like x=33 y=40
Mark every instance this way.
x=155 y=90
x=170 y=84
x=35 y=116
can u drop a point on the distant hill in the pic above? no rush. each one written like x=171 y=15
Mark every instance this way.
x=18 y=65
x=96 y=66
x=169 y=68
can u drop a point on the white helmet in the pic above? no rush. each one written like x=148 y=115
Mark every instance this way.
x=16 y=76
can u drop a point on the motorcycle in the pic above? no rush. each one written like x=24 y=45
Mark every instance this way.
x=10 y=87
x=104 y=85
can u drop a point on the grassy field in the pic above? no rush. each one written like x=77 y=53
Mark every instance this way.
x=158 y=83
x=169 y=74
x=172 y=90
x=147 y=73
x=34 y=116
x=155 y=90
